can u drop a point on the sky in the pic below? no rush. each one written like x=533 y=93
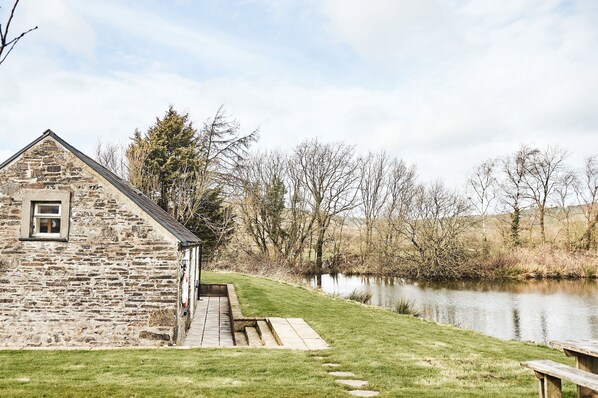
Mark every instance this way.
x=441 y=84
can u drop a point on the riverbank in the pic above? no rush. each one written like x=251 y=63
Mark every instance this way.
x=542 y=262
x=400 y=355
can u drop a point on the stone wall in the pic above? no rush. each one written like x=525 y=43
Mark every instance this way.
x=113 y=283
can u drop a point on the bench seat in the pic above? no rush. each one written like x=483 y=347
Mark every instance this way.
x=551 y=373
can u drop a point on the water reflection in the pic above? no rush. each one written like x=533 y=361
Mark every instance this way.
x=538 y=311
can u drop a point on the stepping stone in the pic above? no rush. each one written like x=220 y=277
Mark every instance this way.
x=331 y=365
x=352 y=383
x=342 y=374
x=318 y=358
x=363 y=393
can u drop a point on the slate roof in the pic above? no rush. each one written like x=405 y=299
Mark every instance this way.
x=185 y=237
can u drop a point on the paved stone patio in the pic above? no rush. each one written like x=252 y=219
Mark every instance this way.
x=211 y=325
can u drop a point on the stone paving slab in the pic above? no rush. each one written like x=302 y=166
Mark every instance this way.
x=303 y=329
x=285 y=334
x=211 y=325
x=316 y=344
x=295 y=333
x=352 y=383
x=363 y=393
x=342 y=374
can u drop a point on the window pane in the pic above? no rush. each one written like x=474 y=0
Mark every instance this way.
x=55 y=225
x=48 y=209
x=44 y=225
x=48 y=225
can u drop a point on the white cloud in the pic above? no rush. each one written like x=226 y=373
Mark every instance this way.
x=200 y=44
x=59 y=24
x=402 y=32
x=520 y=74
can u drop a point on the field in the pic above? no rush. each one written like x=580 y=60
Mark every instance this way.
x=399 y=355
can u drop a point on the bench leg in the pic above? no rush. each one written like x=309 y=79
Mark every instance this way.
x=552 y=387
x=587 y=364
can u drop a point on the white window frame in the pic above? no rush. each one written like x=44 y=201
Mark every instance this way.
x=37 y=215
x=31 y=197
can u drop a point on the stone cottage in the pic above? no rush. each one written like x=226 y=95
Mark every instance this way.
x=85 y=258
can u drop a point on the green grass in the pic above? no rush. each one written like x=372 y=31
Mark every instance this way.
x=400 y=355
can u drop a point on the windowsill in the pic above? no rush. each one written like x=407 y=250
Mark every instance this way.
x=40 y=239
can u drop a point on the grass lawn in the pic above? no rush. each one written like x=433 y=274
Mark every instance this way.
x=398 y=354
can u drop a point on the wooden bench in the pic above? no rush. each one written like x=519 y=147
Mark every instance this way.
x=585 y=353
x=550 y=374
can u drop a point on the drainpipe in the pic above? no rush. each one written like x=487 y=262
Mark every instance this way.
x=200 y=257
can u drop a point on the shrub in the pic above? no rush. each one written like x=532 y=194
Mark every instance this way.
x=359 y=296
x=406 y=306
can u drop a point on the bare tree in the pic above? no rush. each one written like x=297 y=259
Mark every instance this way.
x=481 y=191
x=373 y=193
x=512 y=187
x=263 y=203
x=300 y=220
x=563 y=191
x=112 y=156
x=274 y=207
x=8 y=44
x=435 y=227
x=328 y=173
x=542 y=175
x=588 y=195
x=401 y=186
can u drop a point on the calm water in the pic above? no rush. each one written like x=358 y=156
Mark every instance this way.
x=538 y=311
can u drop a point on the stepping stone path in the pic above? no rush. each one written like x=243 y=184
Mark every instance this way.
x=349 y=382
x=352 y=383
x=342 y=374
x=364 y=393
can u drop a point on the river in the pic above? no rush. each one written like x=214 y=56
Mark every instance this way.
x=538 y=311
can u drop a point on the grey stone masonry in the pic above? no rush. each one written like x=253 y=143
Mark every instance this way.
x=113 y=281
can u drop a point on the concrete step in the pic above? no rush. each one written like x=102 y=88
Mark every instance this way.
x=241 y=339
x=266 y=334
x=285 y=334
x=253 y=337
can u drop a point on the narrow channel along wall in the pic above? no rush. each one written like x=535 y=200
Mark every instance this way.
x=113 y=283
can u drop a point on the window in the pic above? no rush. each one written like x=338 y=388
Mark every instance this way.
x=45 y=215
x=46 y=219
